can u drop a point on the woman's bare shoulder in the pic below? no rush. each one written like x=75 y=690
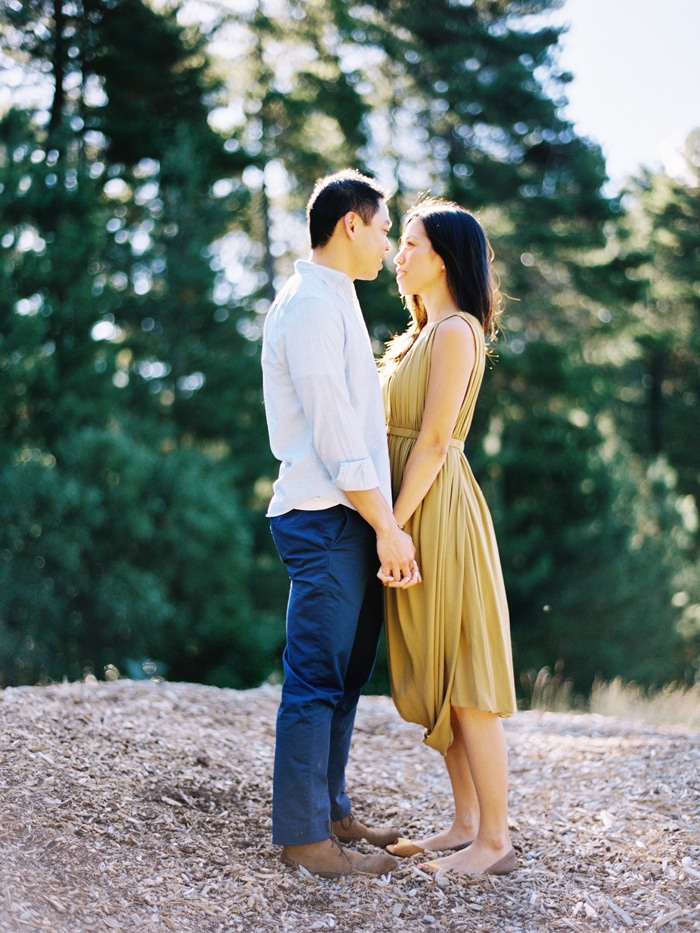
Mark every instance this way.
x=456 y=329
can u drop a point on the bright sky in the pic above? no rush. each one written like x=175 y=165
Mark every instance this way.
x=636 y=87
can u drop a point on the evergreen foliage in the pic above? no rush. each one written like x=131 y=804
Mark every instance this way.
x=153 y=178
x=662 y=375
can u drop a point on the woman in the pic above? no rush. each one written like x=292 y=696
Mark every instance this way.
x=448 y=639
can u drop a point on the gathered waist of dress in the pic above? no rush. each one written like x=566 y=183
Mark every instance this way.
x=392 y=429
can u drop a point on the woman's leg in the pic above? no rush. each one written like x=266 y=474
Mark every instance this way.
x=486 y=751
x=465 y=822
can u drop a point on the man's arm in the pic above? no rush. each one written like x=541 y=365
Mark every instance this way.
x=316 y=362
x=397 y=554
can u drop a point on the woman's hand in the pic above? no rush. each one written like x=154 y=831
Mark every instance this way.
x=406 y=581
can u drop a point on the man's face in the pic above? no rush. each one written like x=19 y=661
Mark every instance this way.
x=372 y=243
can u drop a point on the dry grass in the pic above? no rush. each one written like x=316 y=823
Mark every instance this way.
x=673 y=704
x=549 y=691
x=146 y=807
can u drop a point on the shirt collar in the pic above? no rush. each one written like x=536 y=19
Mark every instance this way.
x=337 y=280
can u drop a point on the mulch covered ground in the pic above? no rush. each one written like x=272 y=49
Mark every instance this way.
x=146 y=807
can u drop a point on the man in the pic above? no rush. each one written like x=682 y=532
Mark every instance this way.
x=331 y=520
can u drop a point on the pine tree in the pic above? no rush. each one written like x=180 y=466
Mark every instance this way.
x=661 y=376
x=148 y=215
x=109 y=332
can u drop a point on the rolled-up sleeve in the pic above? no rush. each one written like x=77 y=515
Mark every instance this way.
x=356 y=474
x=314 y=349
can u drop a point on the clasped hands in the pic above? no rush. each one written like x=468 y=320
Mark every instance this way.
x=397 y=557
x=408 y=577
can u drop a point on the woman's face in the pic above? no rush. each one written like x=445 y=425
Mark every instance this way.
x=418 y=266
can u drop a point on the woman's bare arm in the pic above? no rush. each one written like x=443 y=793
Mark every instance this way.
x=452 y=361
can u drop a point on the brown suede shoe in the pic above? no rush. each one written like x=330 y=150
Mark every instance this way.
x=329 y=859
x=351 y=830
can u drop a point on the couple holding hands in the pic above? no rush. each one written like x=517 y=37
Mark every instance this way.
x=330 y=413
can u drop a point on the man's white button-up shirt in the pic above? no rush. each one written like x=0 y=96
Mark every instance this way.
x=323 y=401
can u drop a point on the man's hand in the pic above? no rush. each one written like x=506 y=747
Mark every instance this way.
x=397 y=556
x=405 y=582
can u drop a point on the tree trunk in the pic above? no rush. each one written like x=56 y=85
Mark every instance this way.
x=656 y=370
x=268 y=258
x=59 y=70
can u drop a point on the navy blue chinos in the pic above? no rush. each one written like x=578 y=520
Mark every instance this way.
x=334 y=619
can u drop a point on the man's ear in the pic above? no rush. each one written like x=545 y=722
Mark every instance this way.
x=350 y=222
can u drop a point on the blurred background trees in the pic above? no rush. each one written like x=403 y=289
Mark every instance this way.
x=155 y=163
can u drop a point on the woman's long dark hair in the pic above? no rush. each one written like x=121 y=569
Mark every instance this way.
x=457 y=238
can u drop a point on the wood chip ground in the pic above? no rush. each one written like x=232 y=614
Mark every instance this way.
x=146 y=807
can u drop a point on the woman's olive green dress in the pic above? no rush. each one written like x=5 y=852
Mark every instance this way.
x=448 y=638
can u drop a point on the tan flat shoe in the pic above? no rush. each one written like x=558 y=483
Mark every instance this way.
x=405 y=848
x=504 y=866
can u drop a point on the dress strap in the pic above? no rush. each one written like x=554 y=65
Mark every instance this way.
x=409 y=432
